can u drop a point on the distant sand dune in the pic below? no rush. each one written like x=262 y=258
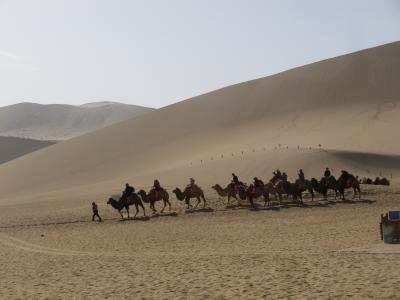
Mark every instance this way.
x=350 y=103
x=60 y=122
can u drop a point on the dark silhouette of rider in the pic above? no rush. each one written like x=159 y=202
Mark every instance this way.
x=284 y=176
x=235 y=179
x=129 y=190
x=258 y=183
x=327 y=173
x=157 y=186
x=301 y=175
x=277 y=176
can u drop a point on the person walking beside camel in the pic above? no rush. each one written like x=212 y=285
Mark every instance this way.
x=95 y=210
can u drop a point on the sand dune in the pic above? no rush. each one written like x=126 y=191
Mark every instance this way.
x=60 y=122
x=11 y=148
x=349 y=103
x=321 y=250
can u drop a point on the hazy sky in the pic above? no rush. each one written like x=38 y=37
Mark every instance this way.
x=153 y=53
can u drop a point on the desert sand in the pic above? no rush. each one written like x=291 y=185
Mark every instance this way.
x=319 y=251
x=349 y=105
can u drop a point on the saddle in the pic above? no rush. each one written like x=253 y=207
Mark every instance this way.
x=301 y=184
x=348 y=183
x=251 y=190
x=189 y=191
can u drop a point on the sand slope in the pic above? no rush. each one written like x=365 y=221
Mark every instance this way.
x=11 y=148
x=350 y=103
x=59 y=122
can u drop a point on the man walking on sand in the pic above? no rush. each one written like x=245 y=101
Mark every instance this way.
x=95 y=212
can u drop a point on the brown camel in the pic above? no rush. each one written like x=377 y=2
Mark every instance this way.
x=302 y=186
x=276 y=188
x=125 y=202
x=230 y=191
x=324 y=185
x=253 y=193
x=189 y=193
x=346 y=182
x=153 y=196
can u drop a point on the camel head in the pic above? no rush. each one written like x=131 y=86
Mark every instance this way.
x=216 y=187
x=109 y=200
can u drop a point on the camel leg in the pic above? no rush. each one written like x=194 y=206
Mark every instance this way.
x=122 y=216
x=169 y=205
x=204 y=201
x=137 y=210
x=312 y=195
x=165 y=204
x=251 y=201
x=152 y=206
x=187 y=201
x=127 y=210
x=142 y=206
x=198 y=201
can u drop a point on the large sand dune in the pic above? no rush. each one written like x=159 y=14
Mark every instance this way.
x=348 y=103
x=60 y=122
x=321 y=250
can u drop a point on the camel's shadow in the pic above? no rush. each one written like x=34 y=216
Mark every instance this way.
x=141 y=218
x=168 y=214
x=353 y=201
x=199 y=210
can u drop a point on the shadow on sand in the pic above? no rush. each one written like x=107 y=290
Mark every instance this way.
x=199 y=210
x=167 y=214
x=141 y=218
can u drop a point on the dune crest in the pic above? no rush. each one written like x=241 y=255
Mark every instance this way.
x=350 y=103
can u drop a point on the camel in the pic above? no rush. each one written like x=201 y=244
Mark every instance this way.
x=125 y=202
x=323 y=186
x=189 y=193
x=154 y=196
x=292 y=190
x=347 y=182
x=302 y=186
x=253 y=193
x=276 y=188
x=229 y=191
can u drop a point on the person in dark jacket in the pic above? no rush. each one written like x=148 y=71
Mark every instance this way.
x=235 y=179
x=258 y=183
x=129 y=190
x=327 y=173
x=95 y=210
x=301 y=175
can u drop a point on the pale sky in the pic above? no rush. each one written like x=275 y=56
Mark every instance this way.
x=156 y=52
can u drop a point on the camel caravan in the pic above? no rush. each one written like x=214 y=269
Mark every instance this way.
x=278 y=187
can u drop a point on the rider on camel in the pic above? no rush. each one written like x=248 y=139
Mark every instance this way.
x=258 y=183
x=192 y=185
x=301 y=175
x=129 y=190
x=327 y=173
x=235 y=179
x=277 y=175
x=156 y=186
x=284 y=176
